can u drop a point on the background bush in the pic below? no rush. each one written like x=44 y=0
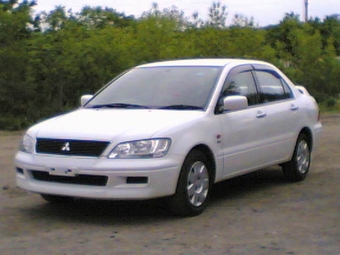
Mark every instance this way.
x=48 y=61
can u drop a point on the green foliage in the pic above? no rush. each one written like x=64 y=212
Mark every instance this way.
x=331 y=102
x=329 y=29
x=330 y=105
x=48 y=62
x=13 y=123
x=306 y=56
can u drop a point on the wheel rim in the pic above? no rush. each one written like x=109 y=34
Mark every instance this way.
x=303 y=156
x=198 y=184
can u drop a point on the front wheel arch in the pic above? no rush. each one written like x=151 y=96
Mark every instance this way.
x=210 y=157
x=197 y=169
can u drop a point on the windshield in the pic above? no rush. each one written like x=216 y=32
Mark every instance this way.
x=180 y=88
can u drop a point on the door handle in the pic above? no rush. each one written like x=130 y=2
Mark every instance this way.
x=261 y=115
x=294 y=107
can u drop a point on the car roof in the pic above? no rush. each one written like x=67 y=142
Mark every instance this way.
x=203 y=62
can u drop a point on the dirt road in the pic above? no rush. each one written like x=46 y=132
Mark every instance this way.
x=255 y=214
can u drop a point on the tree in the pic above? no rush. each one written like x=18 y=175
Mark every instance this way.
x=331 y=29
x=172 y=14
x=48 y=62
x=281 y=37
x=57 y=18
x=217 y=15
x=97 y=17
x=157 y=34
x=242 y=21
x=15 y=91
x=196 y=21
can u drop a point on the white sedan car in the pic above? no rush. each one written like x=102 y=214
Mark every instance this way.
x=172 y=129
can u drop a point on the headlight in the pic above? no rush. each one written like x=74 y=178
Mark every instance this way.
x=27 y=144
x=153 y=148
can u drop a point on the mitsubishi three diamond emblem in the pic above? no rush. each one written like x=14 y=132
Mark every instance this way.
x=66 y=147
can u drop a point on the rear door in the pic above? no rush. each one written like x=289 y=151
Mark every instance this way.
x=281 y=112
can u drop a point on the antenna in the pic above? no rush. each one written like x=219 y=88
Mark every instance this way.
x=306 y=10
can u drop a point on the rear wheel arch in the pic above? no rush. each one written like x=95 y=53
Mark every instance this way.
x=297 y=168
x=309 y=135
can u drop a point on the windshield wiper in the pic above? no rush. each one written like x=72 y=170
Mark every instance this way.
x=181 y=107
x=120 y=105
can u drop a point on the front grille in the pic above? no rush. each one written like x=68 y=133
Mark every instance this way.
x=82 y=179
x=70 y=147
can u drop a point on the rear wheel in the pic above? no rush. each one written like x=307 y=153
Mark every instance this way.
x=56 y=199
x=194 y=186
x=297 y=169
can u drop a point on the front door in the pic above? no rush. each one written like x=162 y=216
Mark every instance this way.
x=243 y=130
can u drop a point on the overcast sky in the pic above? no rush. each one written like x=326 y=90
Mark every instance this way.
x=265 y=12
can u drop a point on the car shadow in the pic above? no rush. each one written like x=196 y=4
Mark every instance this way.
x=143 y=212
x=101 y=211
x=246 y=184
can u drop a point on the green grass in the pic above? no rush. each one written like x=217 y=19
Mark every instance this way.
x=325 y=107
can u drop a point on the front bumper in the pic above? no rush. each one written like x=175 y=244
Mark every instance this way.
x=123 y=179
x=317 y=134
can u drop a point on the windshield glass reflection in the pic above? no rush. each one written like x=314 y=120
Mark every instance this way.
x=180 y=88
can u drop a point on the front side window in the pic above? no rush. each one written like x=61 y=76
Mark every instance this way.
x=271 y=86
x=243 y=84
x=179 y=87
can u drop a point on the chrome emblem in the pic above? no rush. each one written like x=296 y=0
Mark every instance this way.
x=66 y=147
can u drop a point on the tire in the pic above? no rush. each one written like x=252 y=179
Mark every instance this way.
x=56 y=199
x=193 y=187
x=298 y=168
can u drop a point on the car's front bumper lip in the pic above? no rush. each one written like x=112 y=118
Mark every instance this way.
x=161 y=175
x=317 y=133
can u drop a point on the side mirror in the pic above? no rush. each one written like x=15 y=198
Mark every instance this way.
x=234 y=103
x=84 y=99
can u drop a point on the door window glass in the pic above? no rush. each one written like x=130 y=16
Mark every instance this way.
x=241 y=84
x=271 y=87
x=288 y=92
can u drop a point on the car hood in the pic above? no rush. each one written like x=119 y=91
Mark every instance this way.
x=107 y=124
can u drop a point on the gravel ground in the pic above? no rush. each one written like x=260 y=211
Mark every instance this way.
x=255 y=214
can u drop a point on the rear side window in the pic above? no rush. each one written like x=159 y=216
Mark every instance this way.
x=271 y=86
x=288 y=92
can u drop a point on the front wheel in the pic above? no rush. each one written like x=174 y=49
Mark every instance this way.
x=193 y=187
x=297 y=169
